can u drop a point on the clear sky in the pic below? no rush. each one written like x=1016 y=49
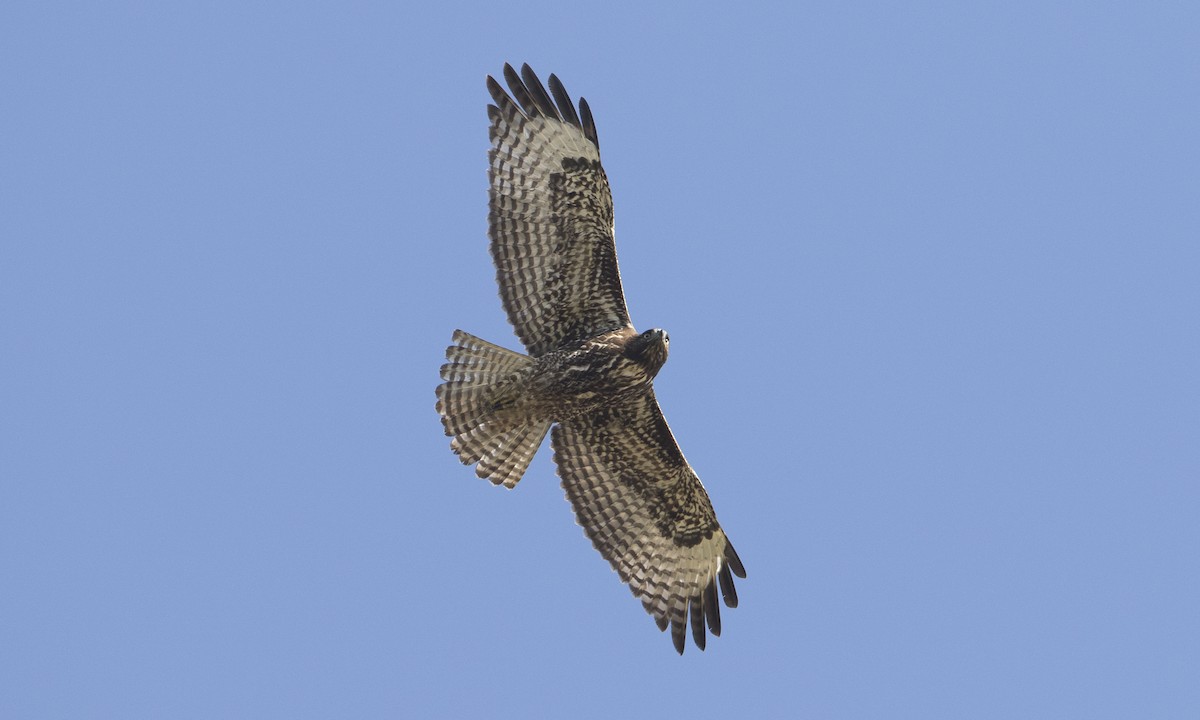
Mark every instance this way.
x=932 y=277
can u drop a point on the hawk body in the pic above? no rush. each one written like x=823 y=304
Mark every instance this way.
x=588 y=374
x=569 y=382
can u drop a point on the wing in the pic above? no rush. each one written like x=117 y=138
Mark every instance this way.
x=550 y=216
x=647 y=513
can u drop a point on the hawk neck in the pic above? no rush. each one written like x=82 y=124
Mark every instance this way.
x=649 y=349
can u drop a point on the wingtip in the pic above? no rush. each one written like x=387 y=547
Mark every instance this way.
x=566 y=108
x=733 y=561
x=728 y=592
x=528 y=95
x=677 y=635
x=537 y=92
x=712 y=609
x=589 y=124
x=519 y=92
x=696 y=612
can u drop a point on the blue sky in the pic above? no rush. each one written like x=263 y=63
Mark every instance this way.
x=930 y=272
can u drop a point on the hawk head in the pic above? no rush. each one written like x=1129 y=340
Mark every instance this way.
x=650 y=349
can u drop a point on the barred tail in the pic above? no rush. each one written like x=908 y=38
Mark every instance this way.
x=474 y=381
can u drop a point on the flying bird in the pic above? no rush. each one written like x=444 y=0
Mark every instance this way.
x=588 y=373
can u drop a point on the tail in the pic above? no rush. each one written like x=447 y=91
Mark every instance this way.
x=467 y=401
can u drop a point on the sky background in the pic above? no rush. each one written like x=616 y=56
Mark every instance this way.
x=932 y=277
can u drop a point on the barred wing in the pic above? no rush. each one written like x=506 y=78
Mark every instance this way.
x=550 y=216
x=647 y=513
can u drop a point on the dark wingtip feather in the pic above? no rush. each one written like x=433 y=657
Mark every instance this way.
x=732 y=559
x=589 y=125
x=566 y=108
x=728 y=593
x=661 y=622
x=500 y=97
x=697 y=618
x=712 y=609
x=494 y=114
x=677 y=635
x=519 y=91
x=538 y=92
x=529 y=97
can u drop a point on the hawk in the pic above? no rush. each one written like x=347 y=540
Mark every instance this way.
x=588 y=374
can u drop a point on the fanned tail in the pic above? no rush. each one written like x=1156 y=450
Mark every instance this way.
x=473 y=390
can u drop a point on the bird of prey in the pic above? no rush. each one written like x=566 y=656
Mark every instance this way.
x=588 y=373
